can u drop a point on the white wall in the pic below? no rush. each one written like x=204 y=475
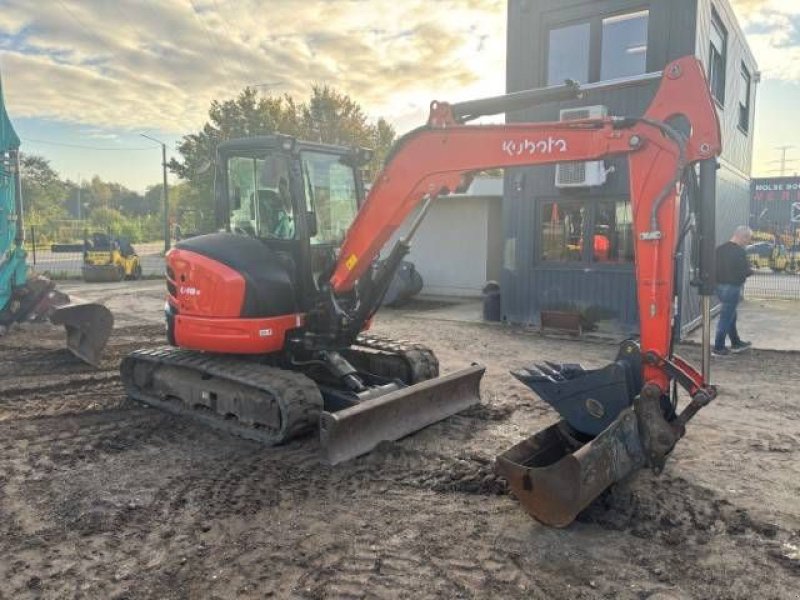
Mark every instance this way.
x=457 y=248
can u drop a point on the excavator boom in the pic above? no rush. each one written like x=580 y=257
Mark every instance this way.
x=625 y=409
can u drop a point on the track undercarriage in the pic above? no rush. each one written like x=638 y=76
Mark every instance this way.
x=272 y=405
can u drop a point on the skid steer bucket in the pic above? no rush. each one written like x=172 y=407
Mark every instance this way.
x=102 y=273
x=356 y=430
x=88 y=329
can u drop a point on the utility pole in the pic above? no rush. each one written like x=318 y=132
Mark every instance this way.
x=164 y=190
x=783 y=150
x=79 y=196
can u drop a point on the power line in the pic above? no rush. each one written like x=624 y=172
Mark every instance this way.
x=109 y=149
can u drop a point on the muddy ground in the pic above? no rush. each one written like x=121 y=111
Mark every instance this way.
x=103 y=498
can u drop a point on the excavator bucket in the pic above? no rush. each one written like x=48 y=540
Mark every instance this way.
x=559 y=471
x=555 y=476
x=356 y=430
x=88 y=325
x=88 y=329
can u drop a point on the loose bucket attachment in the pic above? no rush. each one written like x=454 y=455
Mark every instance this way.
x=102 y=273
x=555 y=476
x=356 y=430
x=88 y=329
x=589 y=400
x=557 y=472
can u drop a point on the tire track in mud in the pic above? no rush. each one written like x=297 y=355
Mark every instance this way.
x=677 y=513
x=58 y=443
x=277 y=501
x=35 y=362
x=43 y=350
x=52 y=397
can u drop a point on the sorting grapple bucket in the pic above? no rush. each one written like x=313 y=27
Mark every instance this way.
x=611 y=427
x=88 y=329
x=356 y=430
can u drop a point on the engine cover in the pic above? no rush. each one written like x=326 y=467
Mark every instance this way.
x=223 y=275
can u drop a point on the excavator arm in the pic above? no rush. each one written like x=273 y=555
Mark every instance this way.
x=679 y=130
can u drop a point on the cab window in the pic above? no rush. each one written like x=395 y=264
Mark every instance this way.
x=331 y=194
x=261 y=205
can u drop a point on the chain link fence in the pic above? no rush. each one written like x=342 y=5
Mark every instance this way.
x=61 y=253
x=774 y=257
x=767 y=284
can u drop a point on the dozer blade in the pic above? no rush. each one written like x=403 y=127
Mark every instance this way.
x=88 y=329
x=555 y=476
x=356 y=430
x=102 y=273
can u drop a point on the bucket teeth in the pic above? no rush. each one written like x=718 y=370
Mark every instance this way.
x=588 y=399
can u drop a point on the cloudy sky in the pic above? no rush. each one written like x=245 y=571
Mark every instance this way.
x=83 y=78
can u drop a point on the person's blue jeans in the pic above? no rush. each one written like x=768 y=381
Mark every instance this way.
x=726 y=326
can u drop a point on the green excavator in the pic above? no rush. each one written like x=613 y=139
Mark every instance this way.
x=25 y=296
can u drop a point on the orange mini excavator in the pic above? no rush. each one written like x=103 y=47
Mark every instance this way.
x=266 y=320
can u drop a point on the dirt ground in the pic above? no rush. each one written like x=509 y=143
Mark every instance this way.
x=103 y=498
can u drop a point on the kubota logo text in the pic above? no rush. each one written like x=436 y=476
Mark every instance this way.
x=189 y=291
x=526 y=146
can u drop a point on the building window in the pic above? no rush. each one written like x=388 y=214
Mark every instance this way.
x=624 y=45
x=744 y=100
x=568 y=55
x=716 y=58
x=562 y=231
x=565 y=222
x=613 y=231
x=599 y=49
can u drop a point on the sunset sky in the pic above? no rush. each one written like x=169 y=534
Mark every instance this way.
x=83 y=78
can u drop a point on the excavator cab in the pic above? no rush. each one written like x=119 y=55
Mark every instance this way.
x=297 y=198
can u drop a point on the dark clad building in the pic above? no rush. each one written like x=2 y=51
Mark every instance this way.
x=549 y=211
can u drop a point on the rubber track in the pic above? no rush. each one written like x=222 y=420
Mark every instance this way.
x=298 y=397
x=421 y=362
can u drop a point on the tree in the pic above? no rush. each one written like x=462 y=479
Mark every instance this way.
x=334 y=118
x=329 y=116
x=43 y=192
x=106 y=220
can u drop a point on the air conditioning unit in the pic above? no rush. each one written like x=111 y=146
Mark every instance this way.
x=581 y=174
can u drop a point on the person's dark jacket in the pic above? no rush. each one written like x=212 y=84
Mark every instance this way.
x=732 y=265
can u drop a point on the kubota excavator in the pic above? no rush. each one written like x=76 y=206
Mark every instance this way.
x=25 y=297
x=268 y=316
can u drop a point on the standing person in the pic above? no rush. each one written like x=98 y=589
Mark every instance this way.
x=732 y=271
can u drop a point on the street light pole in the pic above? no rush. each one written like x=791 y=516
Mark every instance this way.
x=80 y=179
x=165 y=190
